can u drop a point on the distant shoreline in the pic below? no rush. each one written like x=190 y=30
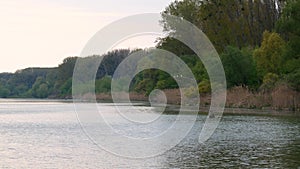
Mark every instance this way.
x=174 y=108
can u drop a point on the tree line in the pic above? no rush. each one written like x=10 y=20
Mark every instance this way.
x=55 y=82
x=258 y=42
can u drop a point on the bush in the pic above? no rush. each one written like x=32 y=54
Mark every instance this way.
x=239 y=67
x=191 y=92
x=103 y=85
x=204 y=86
x=269 y=81
x=294 y=79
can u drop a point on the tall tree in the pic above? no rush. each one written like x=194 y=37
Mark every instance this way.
x=269 y=57
x=289 y=26
x=226 y=22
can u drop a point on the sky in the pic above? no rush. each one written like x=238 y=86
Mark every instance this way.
x=41 y=33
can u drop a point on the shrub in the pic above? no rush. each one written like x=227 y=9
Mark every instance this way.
x=269 y=81
x=204 y=86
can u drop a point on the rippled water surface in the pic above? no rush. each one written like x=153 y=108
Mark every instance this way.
x=47 y=134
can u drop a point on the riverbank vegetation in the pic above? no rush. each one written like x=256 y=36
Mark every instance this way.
x=258 y=42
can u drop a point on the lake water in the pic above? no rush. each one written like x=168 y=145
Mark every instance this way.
x=47 y=134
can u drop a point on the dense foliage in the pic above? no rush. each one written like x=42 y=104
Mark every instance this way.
x=256 y=39
x=226 y=22
x=56 y=82
x=258 y=42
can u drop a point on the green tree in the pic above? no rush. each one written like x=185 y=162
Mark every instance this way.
x=166 y=83
x=289 y=26
x=42 y=91
x=66 y=88
x=148 y=82
x=40 y=88
x=226 y=22
x=294 y=79
x=204 y=86
x=239 y=67
x=22 y=80
x=4 y=92
x=65 y=71
x=103 y=85
x=269 y=57
x=199 y=71
x=51 y=80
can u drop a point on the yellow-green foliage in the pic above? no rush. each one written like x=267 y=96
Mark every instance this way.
x=204 y=86
x=269 y=81
x=269 y=57
x=190 y=92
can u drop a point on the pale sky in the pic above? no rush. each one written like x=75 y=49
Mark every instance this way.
x=41 y=33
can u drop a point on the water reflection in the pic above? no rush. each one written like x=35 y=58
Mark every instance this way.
x=48 y=135
x=243 y=142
